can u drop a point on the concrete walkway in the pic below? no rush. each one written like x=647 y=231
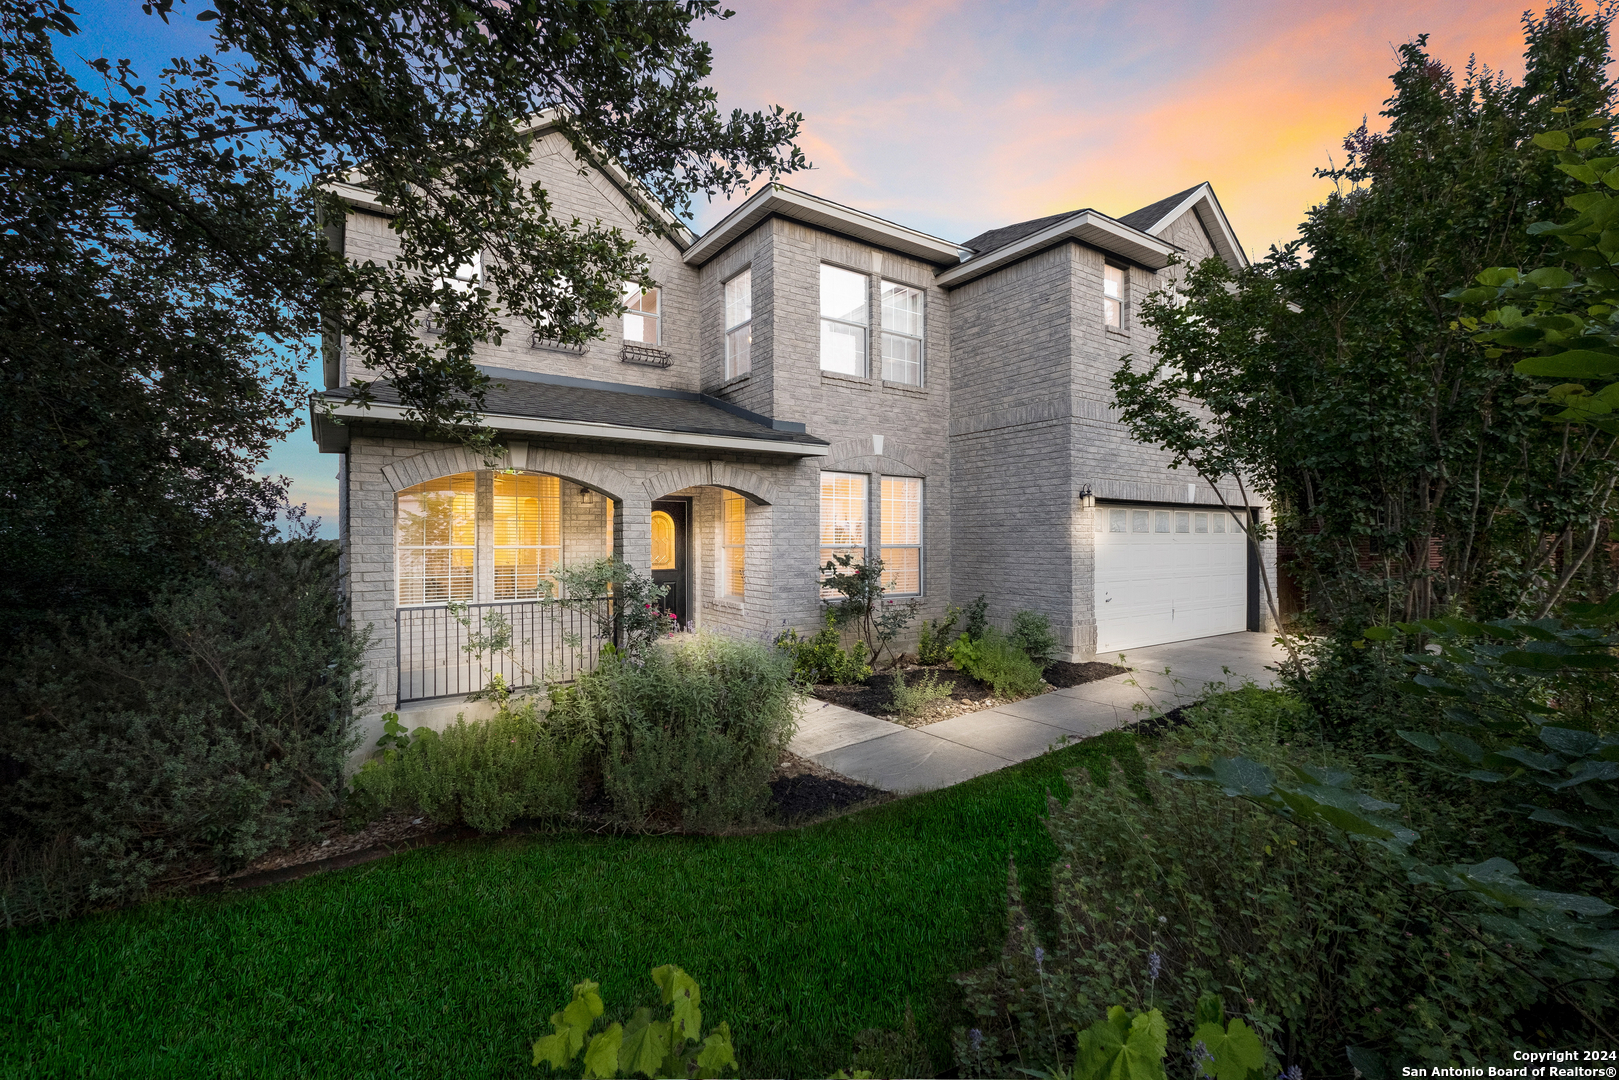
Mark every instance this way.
x=906 y=760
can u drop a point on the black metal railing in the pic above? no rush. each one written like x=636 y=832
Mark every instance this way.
x=453 y=651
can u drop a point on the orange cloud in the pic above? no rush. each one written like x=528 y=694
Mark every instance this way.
x=956 y=118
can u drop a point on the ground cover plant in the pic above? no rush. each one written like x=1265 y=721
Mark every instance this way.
x=449 y=960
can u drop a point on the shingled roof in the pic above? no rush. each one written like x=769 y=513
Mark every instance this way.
x=995 y=239
x=1150 y=215
x=534 y=396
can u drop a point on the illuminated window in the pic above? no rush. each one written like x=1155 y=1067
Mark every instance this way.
x=642 y=315
x=528 y=535
x=663 y=541
x=902 y=334
x=843 y=516
x=902 y=535
x=1113 y=297
x=738 y=324
x=844 y=318
x=436 y=534
x=733 y=539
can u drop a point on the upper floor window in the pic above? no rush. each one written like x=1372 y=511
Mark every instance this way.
x=1113 y=297
x=844 y=318
x=642 y=315
x=738 y=324
x=902 y=334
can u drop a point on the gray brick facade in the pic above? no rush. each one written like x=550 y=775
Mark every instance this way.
x=1009 y=432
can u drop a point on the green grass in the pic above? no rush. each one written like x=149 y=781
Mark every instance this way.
x=448 y=961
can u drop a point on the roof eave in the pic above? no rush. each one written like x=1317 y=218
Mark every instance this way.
x=1089 y=228
x=332 y=440
x=1213 y=219
x=778 y=200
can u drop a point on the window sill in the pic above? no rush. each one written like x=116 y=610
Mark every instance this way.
x=847 y=380
x=906 y=388
x=1113 y=331
x=734 y=604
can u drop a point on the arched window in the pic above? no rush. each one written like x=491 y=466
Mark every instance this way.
x=436 y=531
x=663 y=541
x=528 y=535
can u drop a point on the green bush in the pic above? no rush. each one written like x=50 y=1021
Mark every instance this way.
x=821 y=659
x=1329 y=942
x=1031 y=632
x=933 y=642
x=908 y=701
x=202 y=731
x=691 y=731
x=997 y=663
x=482 y=773
x=977 y=617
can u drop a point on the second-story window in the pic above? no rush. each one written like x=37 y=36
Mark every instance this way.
x=642 y=315
x=738 y=324
x=902 y=334
x=844 y=319
x=1113 y=297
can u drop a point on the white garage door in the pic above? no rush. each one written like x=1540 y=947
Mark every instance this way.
x=1167 y=575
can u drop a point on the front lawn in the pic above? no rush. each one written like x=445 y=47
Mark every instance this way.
x=449 y=960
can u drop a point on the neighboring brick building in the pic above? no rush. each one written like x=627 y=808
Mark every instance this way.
x=805 y=371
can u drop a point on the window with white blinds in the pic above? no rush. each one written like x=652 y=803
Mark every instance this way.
x=733 y=541
x=843 y=516
x=435 y=528
x=902 y=535
x=527 y=535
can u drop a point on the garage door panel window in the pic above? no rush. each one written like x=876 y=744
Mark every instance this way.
x=1219 y=523
x=1161 y=521
x=1140 y=519
x=1183 y=522
x=902 y=535
x=1118 y=521
x=1202 y=525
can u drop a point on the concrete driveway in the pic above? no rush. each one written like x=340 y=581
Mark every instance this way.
x=906 y=760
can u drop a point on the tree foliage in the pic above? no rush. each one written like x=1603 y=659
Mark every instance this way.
x=165 y=264
x=1409 y=473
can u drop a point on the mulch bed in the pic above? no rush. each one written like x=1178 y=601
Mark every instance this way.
x=1062 y=674
x=874 y=696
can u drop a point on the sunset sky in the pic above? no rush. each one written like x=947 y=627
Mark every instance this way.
x=956 y=117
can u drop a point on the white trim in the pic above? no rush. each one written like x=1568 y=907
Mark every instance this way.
x=1224 y=237
x=588 y=429
x=801 y=206
x=1087 y=227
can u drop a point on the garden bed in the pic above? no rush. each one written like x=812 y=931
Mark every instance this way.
x=967 y=695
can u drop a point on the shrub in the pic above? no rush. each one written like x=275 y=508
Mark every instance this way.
x=908 y=701
x=977 y=617
x=997 y=663
x=821 y=659
x=636 y=620
x=1168 y=891
x=206 y=729
x=1031 y=632
x=483 y=773
x=864 y=605
x=644 y=1046
x=933 y=643
x=693 y=729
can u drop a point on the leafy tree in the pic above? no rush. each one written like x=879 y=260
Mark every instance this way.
x=165 y=266
x=1405 y=465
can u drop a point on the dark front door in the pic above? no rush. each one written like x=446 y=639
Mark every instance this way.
x=671 y=519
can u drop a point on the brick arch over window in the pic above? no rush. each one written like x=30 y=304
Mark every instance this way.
x=859 y=456
x=633 y=529
x=751 y=484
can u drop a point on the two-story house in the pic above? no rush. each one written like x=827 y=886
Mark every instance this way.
x=807 y=379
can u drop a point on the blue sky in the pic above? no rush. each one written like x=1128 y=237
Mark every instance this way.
x=955 y=116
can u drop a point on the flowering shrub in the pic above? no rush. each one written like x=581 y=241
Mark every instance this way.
x=865 y=606
x=637 y=618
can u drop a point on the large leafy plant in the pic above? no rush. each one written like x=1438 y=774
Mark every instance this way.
x=645 y=1046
